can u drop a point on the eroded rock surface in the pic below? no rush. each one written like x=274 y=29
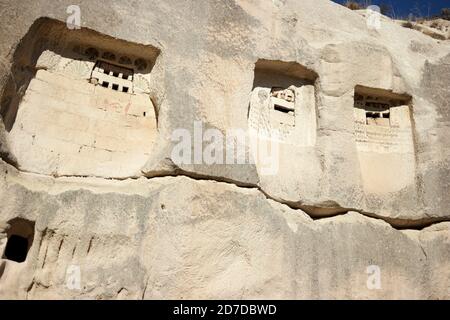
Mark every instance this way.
x=177 y=237
x=91 y=187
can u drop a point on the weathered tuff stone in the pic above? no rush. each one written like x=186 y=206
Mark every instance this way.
x=436 y=28
x=174 y=237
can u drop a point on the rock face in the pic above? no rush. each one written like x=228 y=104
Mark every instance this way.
x=314 y=155
x=436 y=28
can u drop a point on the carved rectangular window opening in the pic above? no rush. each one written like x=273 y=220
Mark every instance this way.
x=20 y=237
x=112 y=76
x=282 y=102
x=376 y=106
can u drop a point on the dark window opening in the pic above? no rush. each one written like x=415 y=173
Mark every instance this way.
x=376 y=115
x=282 y=109
x=125 y=89
x=116 y=74
x=105 y=84
x=16 y=248
x=144 y=113
x=20 y=235
x=115 y=87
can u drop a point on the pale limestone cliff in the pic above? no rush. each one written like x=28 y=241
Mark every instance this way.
x=92 y=191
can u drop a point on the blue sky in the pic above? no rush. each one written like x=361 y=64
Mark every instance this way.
x=402 y=8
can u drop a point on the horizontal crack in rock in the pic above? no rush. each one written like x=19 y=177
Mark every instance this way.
x=314 y=212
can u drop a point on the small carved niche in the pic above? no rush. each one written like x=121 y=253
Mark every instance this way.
x=282 y=80
x=20 y=236
x=384 y=139
x=375 y=106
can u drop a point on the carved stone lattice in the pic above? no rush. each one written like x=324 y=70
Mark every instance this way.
x=114 y=77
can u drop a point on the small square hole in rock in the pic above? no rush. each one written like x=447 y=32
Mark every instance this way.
x=16 y=248
x=20 y=236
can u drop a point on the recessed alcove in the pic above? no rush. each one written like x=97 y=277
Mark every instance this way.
x=376 y=106
x=20 y=235
x=384 y=139
x=283 y=101
x=80 y=102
